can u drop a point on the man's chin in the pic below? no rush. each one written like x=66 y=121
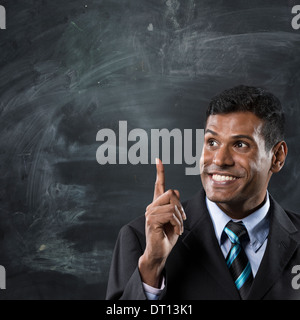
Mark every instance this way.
x=220 y=197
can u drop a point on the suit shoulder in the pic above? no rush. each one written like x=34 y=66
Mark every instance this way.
x=137 y=225
x=294 y=217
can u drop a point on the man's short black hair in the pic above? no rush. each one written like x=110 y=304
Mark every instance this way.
x=256 y=100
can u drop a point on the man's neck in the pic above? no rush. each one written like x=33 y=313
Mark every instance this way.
x=239 y=211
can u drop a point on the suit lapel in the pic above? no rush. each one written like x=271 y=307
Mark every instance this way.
x=200 y=239
x=279 y=251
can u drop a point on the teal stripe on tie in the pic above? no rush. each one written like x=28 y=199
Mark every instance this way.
x=233 y=254
x=243 y=276
x=232 y=236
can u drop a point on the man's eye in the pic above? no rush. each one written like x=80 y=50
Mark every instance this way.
x=212 y=143
x=241 y=144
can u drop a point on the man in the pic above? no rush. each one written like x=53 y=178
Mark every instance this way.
x=232 y=240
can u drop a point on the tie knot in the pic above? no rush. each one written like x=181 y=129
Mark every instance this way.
x=236 y=231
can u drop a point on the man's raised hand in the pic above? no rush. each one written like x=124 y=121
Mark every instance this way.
x=164 y=224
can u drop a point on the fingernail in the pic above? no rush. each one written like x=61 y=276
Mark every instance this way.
x=156 y=160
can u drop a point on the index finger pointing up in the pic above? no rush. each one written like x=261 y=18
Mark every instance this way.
x=159 y=188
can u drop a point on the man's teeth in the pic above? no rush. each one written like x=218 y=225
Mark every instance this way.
x=218 y=177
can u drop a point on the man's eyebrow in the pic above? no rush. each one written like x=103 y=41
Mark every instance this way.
x=210 y=131
x=237 y=136
x=242 y=136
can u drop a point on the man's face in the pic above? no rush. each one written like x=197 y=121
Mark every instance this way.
x=234 y=166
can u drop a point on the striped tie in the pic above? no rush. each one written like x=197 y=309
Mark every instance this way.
x=237 y=260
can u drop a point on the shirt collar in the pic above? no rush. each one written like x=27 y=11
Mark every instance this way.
x=257 y=223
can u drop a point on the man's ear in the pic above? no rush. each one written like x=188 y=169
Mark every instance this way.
x=279 y=151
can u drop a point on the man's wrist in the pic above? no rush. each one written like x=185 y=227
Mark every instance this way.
x=151 y=271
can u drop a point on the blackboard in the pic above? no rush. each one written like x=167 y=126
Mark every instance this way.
x=71 y=68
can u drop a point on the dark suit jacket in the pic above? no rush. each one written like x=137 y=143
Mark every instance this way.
x=196 y=268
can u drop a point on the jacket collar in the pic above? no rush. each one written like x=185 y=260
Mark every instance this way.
x=281 y=246
x=201 y=240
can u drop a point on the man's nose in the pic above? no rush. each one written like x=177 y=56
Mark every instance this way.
x=223 y=157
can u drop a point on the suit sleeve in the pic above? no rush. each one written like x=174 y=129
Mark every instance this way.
x=124 y=281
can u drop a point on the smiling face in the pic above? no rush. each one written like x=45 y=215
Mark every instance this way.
x=235 y=168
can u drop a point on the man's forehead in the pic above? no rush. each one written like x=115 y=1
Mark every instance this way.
x=235 y=123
